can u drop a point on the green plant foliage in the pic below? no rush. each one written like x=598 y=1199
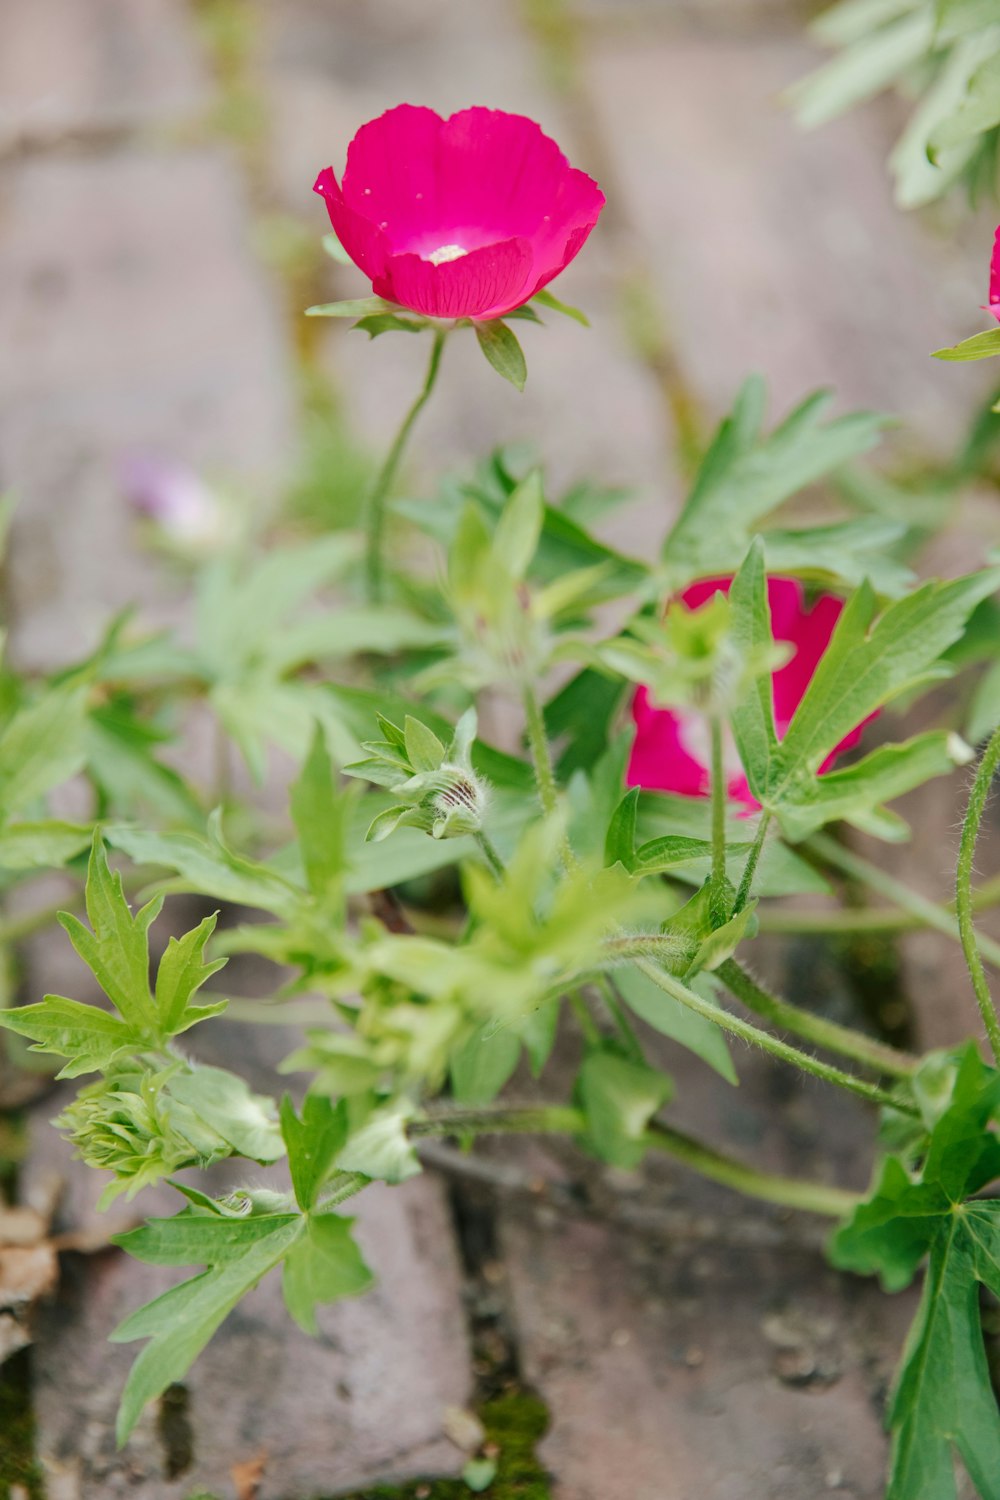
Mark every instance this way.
x=942 y=1402
x=944 y=55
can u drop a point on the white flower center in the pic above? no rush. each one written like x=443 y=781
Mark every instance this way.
x=446 y=252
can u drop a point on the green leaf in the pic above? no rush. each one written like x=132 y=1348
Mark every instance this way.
x=182 y=972
x=515 y=540
x=378 y=1145
x=208 y=867
x=619 y=1098
x=857 y=792
x=503 y=351
x=378 y=323
x=979 y=110
x=116 y=950
x=320 y=817
x=619 y=846
x=225 y=1102
x=91 y=1038
x=863 y=69
x=353 y=307
x=181 y=1322
x=423 y=748
x=43 y=745
x=942 y=1401
x=322 y=1266
x=546 y=299
x=979 y=346
x=312 y=1143
x=335 y=250
x=869 y=661
x=667 y=1016
x=481 y=1067
x=745 y=475
x=45 y=845
x=750 y=624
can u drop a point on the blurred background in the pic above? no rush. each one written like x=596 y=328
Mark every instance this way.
x=159 y=239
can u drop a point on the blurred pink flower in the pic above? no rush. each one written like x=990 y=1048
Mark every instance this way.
x=467 y=217
x=994 y=304
x=671 y=751
x=185 y=510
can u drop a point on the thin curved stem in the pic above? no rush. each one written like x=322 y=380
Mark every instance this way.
x=490 y=854
x=558 y=1119
x=541 y=760
x=790 y=1192
x=750 y=868
x=747 y=1032
x=720 y=913
x=375 y=505
x=927 y=913
x=985 y=772
x=812 y=1028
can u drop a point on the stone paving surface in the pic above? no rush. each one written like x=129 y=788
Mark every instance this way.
x=675 y=1361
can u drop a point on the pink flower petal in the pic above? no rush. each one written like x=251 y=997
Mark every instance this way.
x=483 y=284
x=363 y=241
x=662 y=758
x=994 y=306
x=417 y=185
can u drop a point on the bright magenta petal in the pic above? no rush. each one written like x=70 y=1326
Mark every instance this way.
x=485 y=191
x=670 y=751
x=364 y=242
x=994 y=306
x=483 y=284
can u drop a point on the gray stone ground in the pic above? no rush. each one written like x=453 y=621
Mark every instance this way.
x=685 y=1343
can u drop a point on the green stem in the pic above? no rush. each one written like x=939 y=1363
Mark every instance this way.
x=588 y=1025
x=750 y=868
x=541 y=760
x=375 y=505
x=812 y=1028
x=557 y=1119
x=872 y=919
x=747 y=1032
x=928 y=912
x=790 y=1192
x=720 y=913
x=490 y=854
x=985 y=772
x=618 y=1013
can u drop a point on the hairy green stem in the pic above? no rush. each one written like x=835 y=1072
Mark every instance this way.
x=375 y=504
x=490 y=854
x=747 y=1032
x=753 y=858
x=719 y=904
x=872 y=919
x=618 y=1013
x=790 y=1192
x=541 y=760
x=985 y=772
x=538 y=746
x=927 y=913
x=812 y=1028
x=558 y=1119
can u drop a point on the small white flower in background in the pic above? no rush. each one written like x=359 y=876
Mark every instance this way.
x=187 y=513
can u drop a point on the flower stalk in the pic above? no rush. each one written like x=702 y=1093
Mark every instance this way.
x=379 y=493
x=982 y=782
x=557 y=1119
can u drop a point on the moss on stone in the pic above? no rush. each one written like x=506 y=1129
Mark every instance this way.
x=17 y=1431
x=514 y=1423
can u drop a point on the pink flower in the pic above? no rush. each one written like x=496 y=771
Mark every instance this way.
x=671 y=749
x=994 y=304
x=467 y=217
